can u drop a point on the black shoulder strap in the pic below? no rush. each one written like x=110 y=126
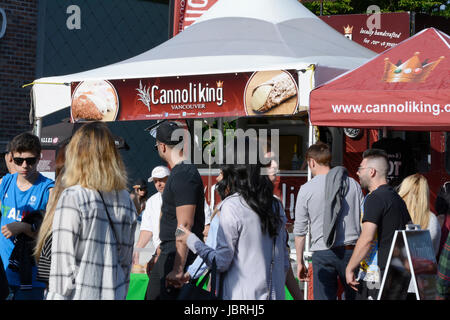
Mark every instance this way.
x=110 y=220
x=269 y=296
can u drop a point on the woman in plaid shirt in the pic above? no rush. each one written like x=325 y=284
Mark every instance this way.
x=94 y=222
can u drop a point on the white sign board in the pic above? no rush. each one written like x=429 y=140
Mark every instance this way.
x=411 y=260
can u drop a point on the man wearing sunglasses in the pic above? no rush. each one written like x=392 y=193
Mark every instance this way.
x=384 y=212
x=22 y=194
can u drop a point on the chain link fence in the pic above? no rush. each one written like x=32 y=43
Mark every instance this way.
x=109 y=31
x=84 y=34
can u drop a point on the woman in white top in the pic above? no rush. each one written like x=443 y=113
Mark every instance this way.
x=94 y=222
x=251 y=251
x=415 y=192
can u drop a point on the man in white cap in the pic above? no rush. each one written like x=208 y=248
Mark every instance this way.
x=152 y=213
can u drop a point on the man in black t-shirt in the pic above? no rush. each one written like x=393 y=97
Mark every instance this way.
x=384 y=212
x=183 y=202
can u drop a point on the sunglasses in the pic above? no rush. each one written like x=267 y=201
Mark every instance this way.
x=30 y=161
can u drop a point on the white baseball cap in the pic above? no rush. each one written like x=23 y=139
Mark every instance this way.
x=159 y=172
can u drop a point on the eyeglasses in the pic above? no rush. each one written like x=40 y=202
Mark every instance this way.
x=30 y=161
x=141 y=189
x=156 y=146
x=362 y=168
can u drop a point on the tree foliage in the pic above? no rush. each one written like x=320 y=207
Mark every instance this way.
x=432 y=7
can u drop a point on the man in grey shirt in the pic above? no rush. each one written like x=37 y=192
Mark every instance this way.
x=331 y=203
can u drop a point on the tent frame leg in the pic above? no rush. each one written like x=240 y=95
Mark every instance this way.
x=37 y=130
x=307 y=253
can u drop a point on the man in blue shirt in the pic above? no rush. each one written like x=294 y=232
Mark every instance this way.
x=21 y=194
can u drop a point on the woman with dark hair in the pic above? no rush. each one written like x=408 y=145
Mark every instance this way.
x=251 y=250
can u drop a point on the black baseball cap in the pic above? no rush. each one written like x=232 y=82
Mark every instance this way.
x=164 y=133
x=140 y=183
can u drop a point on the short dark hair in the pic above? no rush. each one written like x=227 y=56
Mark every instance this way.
x=8 y=147
x=320 y=152
x=26 y=142
x=375 y=153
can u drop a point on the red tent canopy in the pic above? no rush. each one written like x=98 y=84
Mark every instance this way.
x=407 y=86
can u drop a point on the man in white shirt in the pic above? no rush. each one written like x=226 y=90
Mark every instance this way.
x=151 y=215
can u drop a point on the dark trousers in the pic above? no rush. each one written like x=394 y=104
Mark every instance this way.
x=156 y=289
x=328 y=266
x=31 y=294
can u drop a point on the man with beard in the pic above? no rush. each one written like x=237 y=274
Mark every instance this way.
x=183 y=202
x=383 y=212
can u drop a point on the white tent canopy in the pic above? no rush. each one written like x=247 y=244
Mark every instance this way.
x=233 y=36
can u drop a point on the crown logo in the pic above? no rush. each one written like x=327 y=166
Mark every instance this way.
x=411 y=70
x=348 y=29
x=219 y=84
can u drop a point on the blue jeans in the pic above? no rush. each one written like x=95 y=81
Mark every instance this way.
x=32 y=294
x=328 y=266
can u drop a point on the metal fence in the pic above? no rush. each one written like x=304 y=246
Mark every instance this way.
x=96 y=33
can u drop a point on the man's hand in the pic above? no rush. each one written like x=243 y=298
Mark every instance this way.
x=12 y=229
x=350 y=278
x=362 y=247
x=302 y=272
x=187 y=277
x=183 y=237
x=175 y=279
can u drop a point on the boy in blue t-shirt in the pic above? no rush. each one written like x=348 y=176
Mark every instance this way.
x=22 y=193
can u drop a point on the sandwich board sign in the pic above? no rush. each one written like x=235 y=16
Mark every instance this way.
x=411 y=263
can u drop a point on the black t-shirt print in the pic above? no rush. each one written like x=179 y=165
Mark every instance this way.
x=385 y=208
x=183 y=187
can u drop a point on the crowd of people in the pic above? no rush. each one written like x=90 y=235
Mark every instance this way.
x=74 y=238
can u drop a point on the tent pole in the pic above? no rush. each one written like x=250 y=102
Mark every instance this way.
x=307 y=254
x=38 y=126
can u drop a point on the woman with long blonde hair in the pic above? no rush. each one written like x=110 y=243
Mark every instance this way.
x=94 y=222
x=415 y=192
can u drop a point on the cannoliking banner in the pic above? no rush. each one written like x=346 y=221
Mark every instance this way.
x=199 y=96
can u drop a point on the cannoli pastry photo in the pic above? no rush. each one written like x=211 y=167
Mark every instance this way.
x=85 y=108
x=94 y=100
x=272 y=93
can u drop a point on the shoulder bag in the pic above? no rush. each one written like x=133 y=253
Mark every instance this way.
x=194 y=291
